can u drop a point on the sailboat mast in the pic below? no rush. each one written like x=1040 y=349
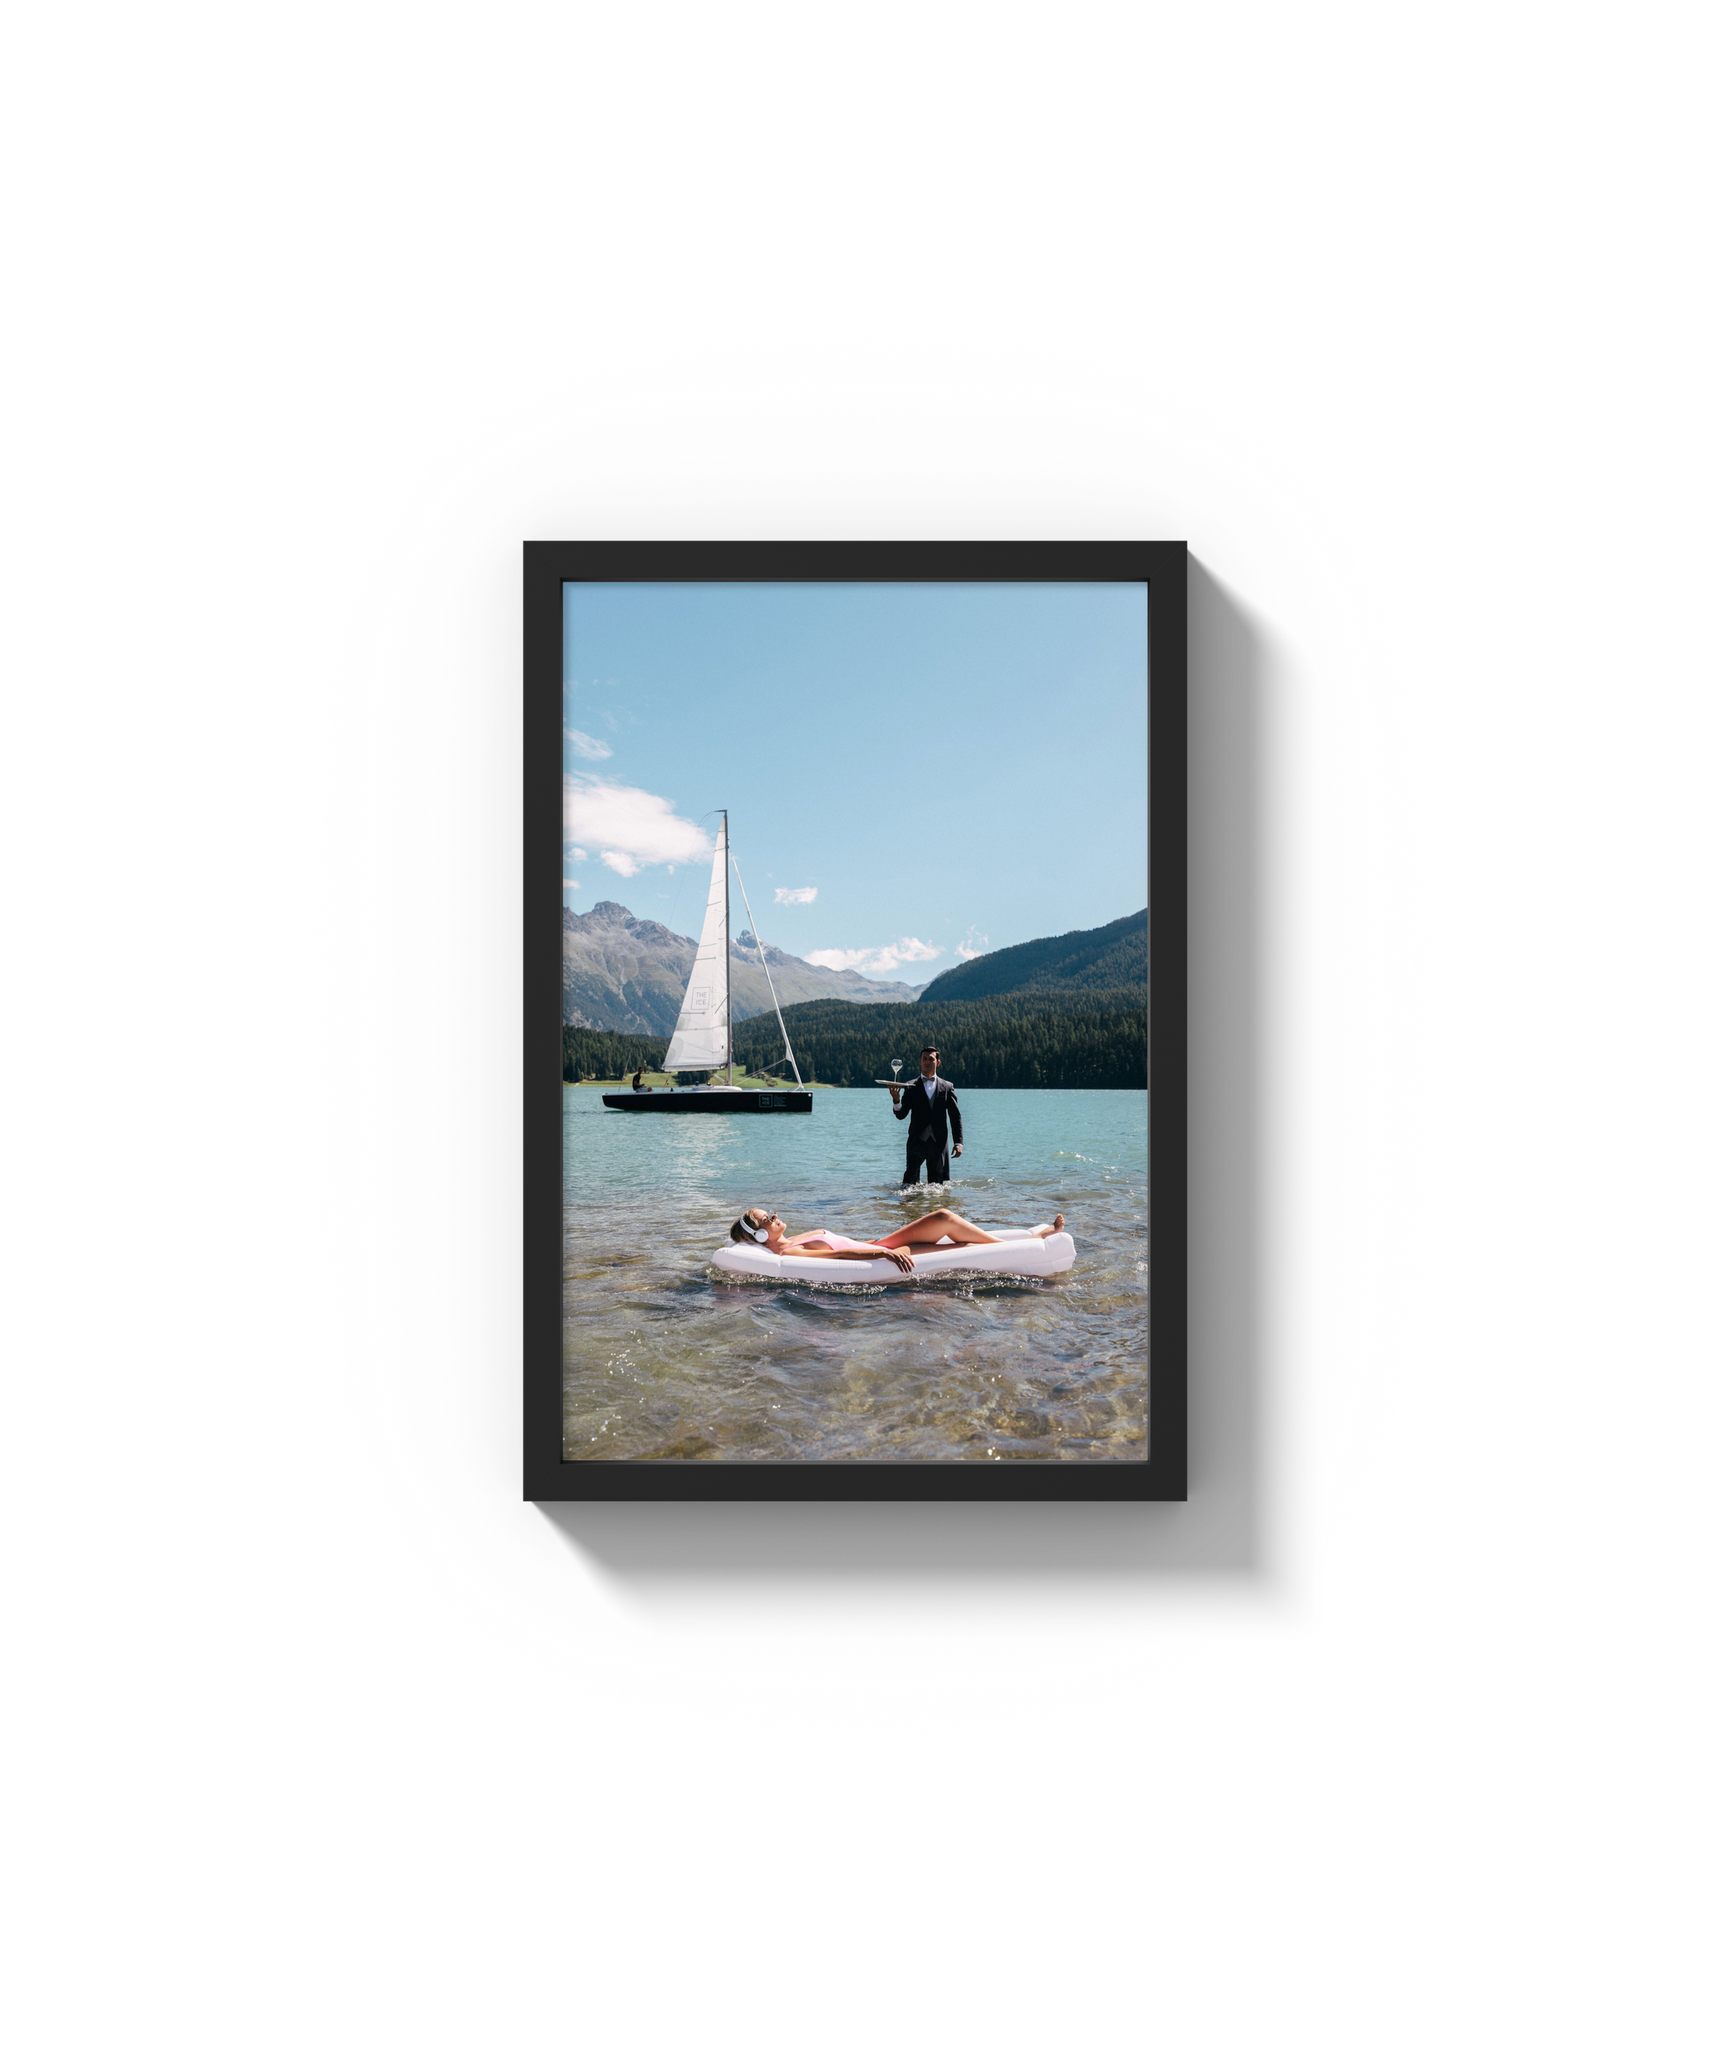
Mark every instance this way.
x=727 y=948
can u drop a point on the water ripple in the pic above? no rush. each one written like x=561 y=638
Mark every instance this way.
x=666 y=1356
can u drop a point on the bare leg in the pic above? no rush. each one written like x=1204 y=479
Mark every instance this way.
x=925 y=1230
x=945 y=1223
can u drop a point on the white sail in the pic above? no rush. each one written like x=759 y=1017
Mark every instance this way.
x=701 y=1032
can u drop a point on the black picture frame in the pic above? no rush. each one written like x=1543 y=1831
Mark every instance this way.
x=543 y=570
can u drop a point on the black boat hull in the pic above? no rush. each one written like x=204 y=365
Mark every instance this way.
x=688 y=1102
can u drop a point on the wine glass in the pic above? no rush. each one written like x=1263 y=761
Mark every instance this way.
x=895 y=1066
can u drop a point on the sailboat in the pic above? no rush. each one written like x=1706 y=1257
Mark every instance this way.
x=703 y=1033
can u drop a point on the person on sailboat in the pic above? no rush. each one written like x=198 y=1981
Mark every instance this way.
x=764 y=1227
x=931 y=1104
x=638 y=1082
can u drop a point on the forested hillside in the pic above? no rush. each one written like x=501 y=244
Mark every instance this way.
x=607 y=1054
x=1070 y=1039
x=1074 y=1038
x=1111 y=956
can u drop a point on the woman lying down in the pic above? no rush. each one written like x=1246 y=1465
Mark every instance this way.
x=765 y=1227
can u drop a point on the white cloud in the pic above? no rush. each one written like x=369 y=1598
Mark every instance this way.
x=874 y=960
x=796 y=895
x=569 y=885
x=975 y=943
x=586 y=748
x=628 y=829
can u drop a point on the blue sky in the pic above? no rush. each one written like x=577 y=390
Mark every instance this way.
x=915 y=773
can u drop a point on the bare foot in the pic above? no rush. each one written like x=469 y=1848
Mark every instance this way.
x=1049 y=1229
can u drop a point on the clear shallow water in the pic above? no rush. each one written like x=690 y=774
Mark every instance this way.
x=665 y=1356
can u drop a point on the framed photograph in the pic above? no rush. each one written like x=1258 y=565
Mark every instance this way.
x=855 y=1051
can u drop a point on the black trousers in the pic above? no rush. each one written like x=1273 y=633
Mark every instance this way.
x=930 y=1157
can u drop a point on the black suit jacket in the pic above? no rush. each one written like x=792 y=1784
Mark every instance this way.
x=931 y=1114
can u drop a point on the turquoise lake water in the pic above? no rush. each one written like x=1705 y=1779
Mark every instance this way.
x=666 y=1356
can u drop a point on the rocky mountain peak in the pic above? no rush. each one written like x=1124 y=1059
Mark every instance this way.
x=614 y=919
x=626 y=973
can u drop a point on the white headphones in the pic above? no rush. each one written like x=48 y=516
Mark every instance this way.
x=762 y=1236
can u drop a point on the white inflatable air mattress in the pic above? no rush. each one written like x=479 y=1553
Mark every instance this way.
x=1019 y=1252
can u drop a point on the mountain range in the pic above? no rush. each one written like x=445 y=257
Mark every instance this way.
x=1110 y=956
x=626 y=973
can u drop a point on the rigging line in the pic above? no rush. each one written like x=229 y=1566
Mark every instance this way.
x=765 y=958
x=770 y=1069
x=728 y=949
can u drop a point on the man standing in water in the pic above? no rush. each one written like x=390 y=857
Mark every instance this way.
x=931 y=1104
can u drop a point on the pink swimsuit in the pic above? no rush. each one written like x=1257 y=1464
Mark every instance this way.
x=831 y=1241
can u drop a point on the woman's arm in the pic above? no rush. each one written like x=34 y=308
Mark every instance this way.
x=861 y=1251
